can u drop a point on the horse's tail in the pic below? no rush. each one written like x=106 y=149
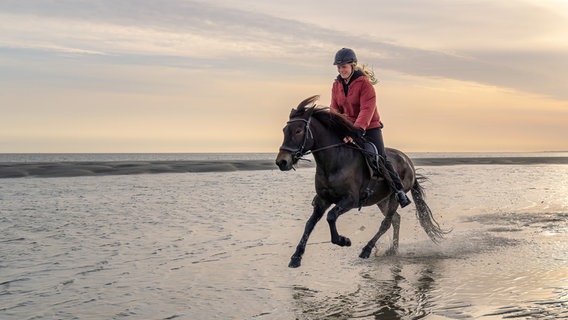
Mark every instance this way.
x=424 y=214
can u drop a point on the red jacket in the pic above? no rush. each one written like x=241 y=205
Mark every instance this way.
x=360 y=104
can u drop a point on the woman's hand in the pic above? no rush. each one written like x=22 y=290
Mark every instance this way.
x=358 y=134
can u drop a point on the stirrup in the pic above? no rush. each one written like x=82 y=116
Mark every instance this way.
x=402 y=198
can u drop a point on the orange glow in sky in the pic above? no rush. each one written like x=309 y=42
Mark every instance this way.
x=193 y=76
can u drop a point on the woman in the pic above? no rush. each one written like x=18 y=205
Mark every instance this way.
x=353 y=95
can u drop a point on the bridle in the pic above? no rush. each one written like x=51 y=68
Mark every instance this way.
x=299 y=152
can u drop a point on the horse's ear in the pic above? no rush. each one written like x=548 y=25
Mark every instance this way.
x=309 y=111
x=304 y=106
x=293 y=113
x=308 y=102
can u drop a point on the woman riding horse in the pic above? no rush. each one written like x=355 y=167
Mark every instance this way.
x=353 y=95
x=342 y=177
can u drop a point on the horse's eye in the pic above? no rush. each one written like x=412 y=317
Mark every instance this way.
x=298 y=131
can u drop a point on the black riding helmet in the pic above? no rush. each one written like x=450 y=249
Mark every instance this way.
x=345 y=55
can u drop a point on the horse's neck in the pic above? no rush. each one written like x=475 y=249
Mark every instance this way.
x=323 y=136
x=336 y=157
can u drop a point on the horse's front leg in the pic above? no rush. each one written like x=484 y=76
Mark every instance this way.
x=319 y=208
x=332 y=216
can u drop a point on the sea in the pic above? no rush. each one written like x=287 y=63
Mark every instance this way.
x=209 y=236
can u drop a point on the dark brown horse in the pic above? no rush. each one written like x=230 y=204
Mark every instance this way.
x=342 y=177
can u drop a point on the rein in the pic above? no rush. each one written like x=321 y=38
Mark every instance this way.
x=326 y=147
x=299 y=153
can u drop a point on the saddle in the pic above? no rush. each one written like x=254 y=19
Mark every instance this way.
x=376 y=166
x=379 y=167
x=372 y=158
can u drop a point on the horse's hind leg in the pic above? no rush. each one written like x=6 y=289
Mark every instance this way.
x=319 y=208
x=393 y=250
x=388 y=207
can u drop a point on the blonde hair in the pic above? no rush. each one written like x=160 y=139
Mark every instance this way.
x=369 y=73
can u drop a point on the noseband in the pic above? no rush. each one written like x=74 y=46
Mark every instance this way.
x=299 y=152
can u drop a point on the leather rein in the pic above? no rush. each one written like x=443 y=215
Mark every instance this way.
x=299 y=152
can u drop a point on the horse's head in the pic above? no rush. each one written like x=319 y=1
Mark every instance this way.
x=298 y=137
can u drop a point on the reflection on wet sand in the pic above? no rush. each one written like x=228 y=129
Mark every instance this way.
x=403 y=297
x=478 y=275
x=392 y=290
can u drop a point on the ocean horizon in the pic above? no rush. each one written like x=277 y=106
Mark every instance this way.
x=181 y=156
x=19 y=165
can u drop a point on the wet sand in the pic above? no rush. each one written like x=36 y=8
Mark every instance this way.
x=100 y=168
x=506 y=257
x=76 y=169
x=215 y=245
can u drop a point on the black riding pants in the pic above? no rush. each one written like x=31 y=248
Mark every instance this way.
x=375 y=136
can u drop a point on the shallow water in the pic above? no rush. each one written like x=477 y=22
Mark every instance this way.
x=216 y=246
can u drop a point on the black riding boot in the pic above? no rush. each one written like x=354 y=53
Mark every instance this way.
x=400 y=194
x=376 y=137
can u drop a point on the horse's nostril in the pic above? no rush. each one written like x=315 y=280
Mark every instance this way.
x=281 y=163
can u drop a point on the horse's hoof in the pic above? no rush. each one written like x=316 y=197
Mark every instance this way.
x=344 y=242
x=295 y=262
x=365 y=253
x=391 y=252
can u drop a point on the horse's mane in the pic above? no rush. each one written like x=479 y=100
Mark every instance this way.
x=336 y=122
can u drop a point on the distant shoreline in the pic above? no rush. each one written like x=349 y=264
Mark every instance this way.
x=489 y=160
x=101 y=168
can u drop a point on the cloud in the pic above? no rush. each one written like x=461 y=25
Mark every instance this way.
x=485 y=42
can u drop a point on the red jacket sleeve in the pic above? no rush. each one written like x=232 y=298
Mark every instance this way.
x=368 y=105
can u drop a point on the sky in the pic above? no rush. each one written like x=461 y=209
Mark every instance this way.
x=222 y=75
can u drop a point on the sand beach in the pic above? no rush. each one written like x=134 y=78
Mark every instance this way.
x=215 y=244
